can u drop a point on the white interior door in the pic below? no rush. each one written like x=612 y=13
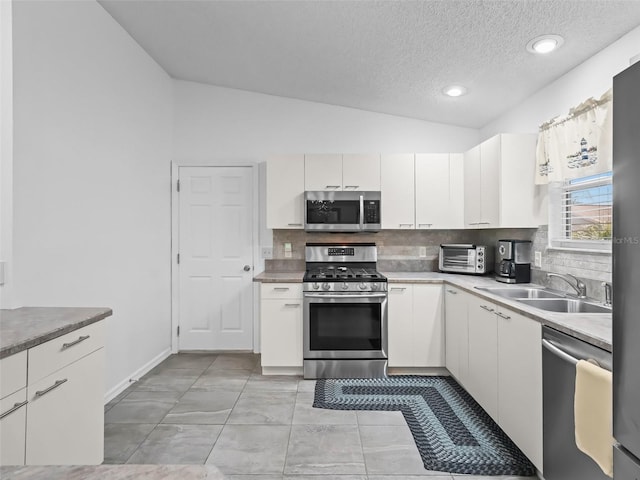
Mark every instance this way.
x=216 y=266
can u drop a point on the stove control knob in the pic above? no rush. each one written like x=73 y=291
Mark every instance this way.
x=315 y=286
x=325 y=286
x=362 y=286
x=345 y=286
x=375 y=286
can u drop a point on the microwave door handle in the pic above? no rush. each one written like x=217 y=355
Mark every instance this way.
x=361 y=212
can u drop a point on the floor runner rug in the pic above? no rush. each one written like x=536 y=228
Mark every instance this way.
x=452 y=432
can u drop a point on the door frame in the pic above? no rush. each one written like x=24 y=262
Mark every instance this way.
x=256 y=259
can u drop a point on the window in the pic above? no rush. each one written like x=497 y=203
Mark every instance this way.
x=581 y=213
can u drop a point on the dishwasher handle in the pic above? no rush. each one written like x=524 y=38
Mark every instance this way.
x=558 y=352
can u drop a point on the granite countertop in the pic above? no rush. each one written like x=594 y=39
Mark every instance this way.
x=594 y=328
x=26 y=327
x=113 y=472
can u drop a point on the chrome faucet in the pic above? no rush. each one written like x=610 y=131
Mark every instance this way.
x=579 y=287
x=607 y=294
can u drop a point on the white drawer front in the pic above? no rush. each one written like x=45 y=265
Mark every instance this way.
x=281 y=290
x=13 y=373
x=59 y=352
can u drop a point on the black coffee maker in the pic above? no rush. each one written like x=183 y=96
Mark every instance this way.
x=513 y=261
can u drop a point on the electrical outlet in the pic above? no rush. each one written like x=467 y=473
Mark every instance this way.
x=288 y=252
x=422 y=251
x=537 y=262
x=267 y=253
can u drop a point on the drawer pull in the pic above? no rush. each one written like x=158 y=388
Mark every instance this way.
x=398 y=289
x=452 y=292
x=294 y=224
x=13 y=409
x=502 y=315
x=487 y=308
x=40 y=393
x=281 y=289
x=291 y=304
x=75 y=342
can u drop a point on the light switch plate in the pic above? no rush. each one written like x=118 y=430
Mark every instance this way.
x=288 y=253
x=267 y=253
x=422 y=251
x=537 y=262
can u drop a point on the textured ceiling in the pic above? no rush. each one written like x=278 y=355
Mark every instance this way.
x=384 y=56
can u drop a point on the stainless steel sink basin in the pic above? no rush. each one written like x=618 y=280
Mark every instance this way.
x=521 y=292
x=565 y=305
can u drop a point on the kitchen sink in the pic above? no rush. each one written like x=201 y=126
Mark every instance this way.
x=565 y=305
x=522 y=292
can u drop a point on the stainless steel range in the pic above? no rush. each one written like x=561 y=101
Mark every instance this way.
x=345 y=312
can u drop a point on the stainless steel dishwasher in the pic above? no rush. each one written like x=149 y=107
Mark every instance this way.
x=561 y=458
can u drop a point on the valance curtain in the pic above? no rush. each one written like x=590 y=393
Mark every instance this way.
x=578 y=144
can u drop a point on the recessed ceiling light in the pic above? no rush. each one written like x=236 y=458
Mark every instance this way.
x=455 y=90
x=545 y=44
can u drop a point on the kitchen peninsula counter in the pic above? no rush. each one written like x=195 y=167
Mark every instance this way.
x=27 y=327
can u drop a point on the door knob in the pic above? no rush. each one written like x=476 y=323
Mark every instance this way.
x=247 y=268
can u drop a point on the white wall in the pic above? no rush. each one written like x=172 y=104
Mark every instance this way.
x=589 y=79
x=6 y=154
x=92 y=150
x=225 y=123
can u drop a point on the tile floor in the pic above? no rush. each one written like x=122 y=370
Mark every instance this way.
x=218 y=410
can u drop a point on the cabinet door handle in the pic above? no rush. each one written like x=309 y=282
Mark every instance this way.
x=332 y=186
x=452 y=292
x=425 y=224
x=487 y=308
x=405 y=224
x=13 y=409
x=294 y=224
x=501 y=315
x=291 y=304
x=352 y=186
x=474 y=223
x=281 y=289
x=484 y=223
x=75 y=342
x=398 y=289
x=40 y=393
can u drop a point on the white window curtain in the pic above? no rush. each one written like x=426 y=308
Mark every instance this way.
x=578 y=144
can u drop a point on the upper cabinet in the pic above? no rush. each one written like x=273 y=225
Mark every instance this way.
x=285 y=191
x=342 y=172
x=439 y=191
x=398 y=191
x=499 y=190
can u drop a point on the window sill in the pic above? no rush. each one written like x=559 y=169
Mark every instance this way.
x=579 y=250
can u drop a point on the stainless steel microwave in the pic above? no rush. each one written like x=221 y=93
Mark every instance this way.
x=465 y=258
x=342 y=211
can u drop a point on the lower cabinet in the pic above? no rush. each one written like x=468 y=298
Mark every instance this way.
x=456 y=333
x=415 y=327
x=13 y=414
x=482 y=381
x=281 y=325
x=65 y=415
x=520 y=382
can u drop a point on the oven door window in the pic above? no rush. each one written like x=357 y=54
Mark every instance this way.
x=338 y=212
x=345 y=326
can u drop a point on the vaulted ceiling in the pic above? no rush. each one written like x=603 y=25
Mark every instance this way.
x=389 y=56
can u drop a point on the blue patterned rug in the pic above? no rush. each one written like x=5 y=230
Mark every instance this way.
x=452 y=432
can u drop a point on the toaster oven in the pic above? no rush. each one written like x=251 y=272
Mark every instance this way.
x=465 y=258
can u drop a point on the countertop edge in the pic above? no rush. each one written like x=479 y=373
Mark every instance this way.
x=52 y=334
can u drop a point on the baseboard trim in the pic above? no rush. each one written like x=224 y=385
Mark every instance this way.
x=147 y=367
x=282 y=371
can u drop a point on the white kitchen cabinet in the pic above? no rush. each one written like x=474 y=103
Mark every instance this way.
x=361 y=172
x=499 y=190
x=281 y=325
x=13 y=411
x=415 y=326
x=397 y=184
x=323 y=172
x=520 y=382
x=285 y=191
x=456 y=333
x=482 y=382
x=439 y=191
x=65 y=415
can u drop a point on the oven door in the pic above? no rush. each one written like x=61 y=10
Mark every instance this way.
x=345 y=325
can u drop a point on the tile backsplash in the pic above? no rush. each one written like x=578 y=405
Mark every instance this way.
x=400 y=250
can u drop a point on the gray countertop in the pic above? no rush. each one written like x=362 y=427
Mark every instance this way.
x=113 y=472
x=593 y=328
x=26 y=327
